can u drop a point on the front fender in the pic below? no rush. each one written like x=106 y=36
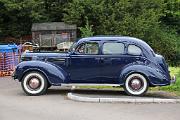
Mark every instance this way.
x=153 y=75
x=53 y=73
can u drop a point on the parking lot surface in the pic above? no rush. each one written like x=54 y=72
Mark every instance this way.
x=15 y=105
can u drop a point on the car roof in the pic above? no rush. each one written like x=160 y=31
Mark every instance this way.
x=118 y=38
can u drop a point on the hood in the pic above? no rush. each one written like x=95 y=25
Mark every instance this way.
x=41 y=55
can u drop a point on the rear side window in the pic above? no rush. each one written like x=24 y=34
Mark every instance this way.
x=113 y=48
x=134 y=50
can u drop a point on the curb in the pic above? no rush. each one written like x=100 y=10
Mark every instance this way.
x=121 y=100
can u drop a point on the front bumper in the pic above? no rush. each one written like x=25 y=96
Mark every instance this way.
x=173 y=79
x=14 y=76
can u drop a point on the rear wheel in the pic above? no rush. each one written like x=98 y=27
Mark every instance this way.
x=136 y=85
x=34 y=83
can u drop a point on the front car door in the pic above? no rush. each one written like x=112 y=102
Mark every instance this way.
x=84 y=63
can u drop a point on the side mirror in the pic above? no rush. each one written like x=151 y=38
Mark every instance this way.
x=72 y=51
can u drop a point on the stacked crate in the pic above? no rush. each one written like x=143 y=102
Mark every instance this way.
x=9 y=58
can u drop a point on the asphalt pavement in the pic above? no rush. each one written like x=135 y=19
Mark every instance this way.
x=15 y=105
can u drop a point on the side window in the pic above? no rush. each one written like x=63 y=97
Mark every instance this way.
x=113 y=48
x=134 y=50
x=80 y=49
x=88 y=48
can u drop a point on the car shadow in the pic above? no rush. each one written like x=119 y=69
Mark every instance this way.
x=58 y=91
x=85 y=91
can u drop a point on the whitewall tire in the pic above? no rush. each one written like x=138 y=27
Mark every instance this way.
x=34 y=83
x=136 y=85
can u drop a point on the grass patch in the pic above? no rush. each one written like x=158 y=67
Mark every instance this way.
x=174 y=87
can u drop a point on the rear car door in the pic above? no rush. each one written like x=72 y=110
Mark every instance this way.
x=112 y=61
x=135 y=54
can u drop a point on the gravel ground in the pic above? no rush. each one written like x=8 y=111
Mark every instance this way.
x=15 y=105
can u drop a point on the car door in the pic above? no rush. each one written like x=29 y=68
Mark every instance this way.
x=84 y=63
x=112 y=61
x=135 y=54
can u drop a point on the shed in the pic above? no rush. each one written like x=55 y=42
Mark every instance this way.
x=48 y=35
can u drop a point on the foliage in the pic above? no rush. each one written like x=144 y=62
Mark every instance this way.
x=154 y=21
x=171 y=20
x=141 y=19
x=126 y=17
x=17 y=16
x=87 y=30
x=164 y=42
x=172 y=14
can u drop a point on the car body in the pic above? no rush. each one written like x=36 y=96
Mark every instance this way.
x=108 y=60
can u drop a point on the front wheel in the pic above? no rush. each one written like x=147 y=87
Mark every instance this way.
x=34 y=83
x=136 y=85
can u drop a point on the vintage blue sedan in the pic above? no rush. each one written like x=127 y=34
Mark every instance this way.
x=115 y=61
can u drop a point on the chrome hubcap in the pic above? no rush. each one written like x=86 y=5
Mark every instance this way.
x=136 y=84
x=34 y=83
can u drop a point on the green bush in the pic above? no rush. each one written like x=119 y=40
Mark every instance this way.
x=87 y=30
x=164 y=42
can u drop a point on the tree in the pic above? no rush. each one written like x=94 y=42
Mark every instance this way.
x=87 y=30
x=126 y=17
x=172 y=14
x=135 y=18
x=171 y=21
x=18 y=15
x=154 y=21
x=121 y=17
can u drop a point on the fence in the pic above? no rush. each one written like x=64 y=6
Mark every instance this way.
x=9 y=58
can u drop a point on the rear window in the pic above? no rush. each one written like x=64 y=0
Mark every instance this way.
x=134 y=50
x=113 y=48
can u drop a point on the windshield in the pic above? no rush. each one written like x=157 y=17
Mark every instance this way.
x=72 y=47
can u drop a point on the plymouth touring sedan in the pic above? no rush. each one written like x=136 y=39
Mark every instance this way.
x=117 y=61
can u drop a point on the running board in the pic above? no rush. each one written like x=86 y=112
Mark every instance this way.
x=74 y=84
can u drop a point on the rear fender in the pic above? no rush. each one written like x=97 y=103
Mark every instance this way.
x=54 y=74
x=153 y=75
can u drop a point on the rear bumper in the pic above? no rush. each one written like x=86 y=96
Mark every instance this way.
x=173 y=79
